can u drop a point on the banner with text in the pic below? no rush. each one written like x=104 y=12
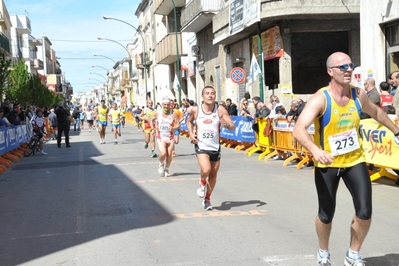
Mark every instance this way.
x=243 y=131
x=379 y=144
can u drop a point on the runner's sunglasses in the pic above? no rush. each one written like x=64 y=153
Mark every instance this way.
x=345 y=67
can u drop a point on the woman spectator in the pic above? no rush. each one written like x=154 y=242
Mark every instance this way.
x=245 y=110
x=274 y=102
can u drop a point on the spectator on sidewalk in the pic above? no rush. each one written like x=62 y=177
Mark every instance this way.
x=297 y=106
x=52 y=117
x=13 y=116
x=63 y=121
x=385 y=97
x=3 y=122
x=231 y=107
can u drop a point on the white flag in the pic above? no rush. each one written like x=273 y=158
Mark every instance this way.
x=254 y=70
x=176 y=83
x=255 y=67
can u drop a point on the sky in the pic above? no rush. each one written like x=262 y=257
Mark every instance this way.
x=72 y=26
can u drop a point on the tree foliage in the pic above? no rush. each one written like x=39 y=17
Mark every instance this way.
x=18 y=84
x=25 y=88
x=4 y=72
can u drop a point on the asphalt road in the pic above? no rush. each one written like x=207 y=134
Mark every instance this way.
x=97 y=205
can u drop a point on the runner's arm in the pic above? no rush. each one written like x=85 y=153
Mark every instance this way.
x=225 y=119
x=376 y=112
x=190 y=125
x=313 y=108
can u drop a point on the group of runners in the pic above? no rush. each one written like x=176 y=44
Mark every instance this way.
x=162 y=128
x=332 y=161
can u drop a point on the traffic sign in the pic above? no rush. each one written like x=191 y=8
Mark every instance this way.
x=237 y=75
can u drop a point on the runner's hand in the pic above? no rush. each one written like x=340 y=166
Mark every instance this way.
x=323 y=157
x=194 y=139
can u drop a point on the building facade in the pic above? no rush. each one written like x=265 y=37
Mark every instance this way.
x=5 y=31
x=296 y=37
x=23 y=45
x=379 y=31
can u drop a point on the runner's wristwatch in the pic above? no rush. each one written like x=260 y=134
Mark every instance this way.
x=396 y=135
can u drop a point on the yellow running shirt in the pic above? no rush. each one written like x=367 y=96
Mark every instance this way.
x=115 y=116
x=336 y=131
x=102 y=114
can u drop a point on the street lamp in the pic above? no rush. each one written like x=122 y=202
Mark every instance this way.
x=102 y=82
x=102 y=38
x=144 y=47
x=100 y=67
x=106 y=57
x=99 y=75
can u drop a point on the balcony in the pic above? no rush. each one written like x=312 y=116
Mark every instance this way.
x=37 y=64
x=198 y=14
x=164 y=7
x=24 y=25
x=166 y=49
x=4 y=45
x=34 y=42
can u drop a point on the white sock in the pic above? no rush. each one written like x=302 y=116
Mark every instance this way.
x=323 y=253
x=353 y=254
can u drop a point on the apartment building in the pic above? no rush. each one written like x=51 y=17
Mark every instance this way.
x=23 y=45
x=171 y=50
x=5 y=34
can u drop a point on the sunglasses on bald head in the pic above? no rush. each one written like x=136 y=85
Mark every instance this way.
x=345 y=67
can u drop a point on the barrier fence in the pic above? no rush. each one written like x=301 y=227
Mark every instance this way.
x=275 y=138
x=378 y=143
x=12 y=141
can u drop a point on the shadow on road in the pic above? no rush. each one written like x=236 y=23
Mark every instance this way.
x=228 y=205
x=386 y=260
x=67 y=198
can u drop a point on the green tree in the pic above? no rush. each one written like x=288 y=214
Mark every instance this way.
x=18 y=84
x=4 y=72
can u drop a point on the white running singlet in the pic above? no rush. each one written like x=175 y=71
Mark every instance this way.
x=208 y=126
x=163 y=127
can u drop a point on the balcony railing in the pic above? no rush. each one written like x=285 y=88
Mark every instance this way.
x=165 y=51
x=5 y=44
x=164 y=7
x=198 y=14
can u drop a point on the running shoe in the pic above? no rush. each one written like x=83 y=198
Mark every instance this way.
x=351 y=262
x=201 y=191
x=153 y=154
x=145 y=145
x=115 y=142
x=323 y=261
x=42 y=152
x=207 y=205
x=161 y=170
x=167 y=173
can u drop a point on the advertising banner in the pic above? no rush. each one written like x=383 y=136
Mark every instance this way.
x=379 y=144
x=243 y=131
x=272 y=44
x=243 y=13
